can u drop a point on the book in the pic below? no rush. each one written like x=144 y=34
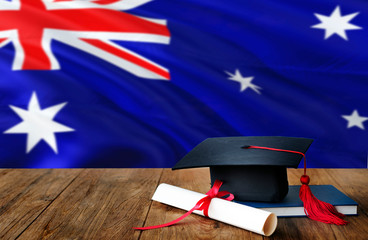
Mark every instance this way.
x=292 y=206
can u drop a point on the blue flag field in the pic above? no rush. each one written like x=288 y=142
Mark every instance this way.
x=139 y=83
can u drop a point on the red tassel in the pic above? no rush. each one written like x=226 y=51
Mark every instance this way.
x=313 y=208
x=316 y=209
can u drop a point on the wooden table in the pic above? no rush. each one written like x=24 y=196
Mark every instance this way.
x=107 y=203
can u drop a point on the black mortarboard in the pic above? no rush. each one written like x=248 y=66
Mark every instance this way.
x=249 y=174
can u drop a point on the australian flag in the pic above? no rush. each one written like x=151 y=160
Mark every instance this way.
x=139 y=83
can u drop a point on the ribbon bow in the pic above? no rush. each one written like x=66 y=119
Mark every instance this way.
x=202 y=205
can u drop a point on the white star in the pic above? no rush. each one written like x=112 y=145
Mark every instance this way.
x=335 y=23
x=38 y=124
x=245 y=82
x=355 y=120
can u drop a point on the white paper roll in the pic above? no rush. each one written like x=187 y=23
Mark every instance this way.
x=249 y=218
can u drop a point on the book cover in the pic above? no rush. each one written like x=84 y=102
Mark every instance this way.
x=293 y=206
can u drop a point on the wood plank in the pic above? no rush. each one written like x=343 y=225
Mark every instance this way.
x=351 y=181
x=99 y=204
x=24 y=194
x=194 y=226
x=107 y=203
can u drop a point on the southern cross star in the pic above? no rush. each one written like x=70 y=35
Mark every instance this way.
x=38 y=123
x=354 y=120
x=245 y=82
x=336 y=24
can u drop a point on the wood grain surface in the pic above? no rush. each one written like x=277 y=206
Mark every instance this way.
x=108 y=203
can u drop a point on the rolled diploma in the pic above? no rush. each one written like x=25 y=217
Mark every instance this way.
x=242 y=216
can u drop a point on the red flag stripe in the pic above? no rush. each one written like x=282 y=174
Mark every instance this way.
x=129 y=57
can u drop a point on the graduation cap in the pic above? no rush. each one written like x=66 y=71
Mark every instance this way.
x=254 y=169
x=250 y=174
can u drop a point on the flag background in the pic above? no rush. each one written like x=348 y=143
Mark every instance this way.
x=121 y=120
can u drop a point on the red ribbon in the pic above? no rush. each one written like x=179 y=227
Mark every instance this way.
x=202 y=205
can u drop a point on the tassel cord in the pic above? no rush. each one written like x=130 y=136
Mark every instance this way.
x=313 y=208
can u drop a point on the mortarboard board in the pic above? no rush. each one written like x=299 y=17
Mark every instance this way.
x=250 y=174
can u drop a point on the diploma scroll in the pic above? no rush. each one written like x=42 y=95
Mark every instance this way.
x=249 y=218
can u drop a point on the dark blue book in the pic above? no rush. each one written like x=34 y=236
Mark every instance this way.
x=292 y=206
